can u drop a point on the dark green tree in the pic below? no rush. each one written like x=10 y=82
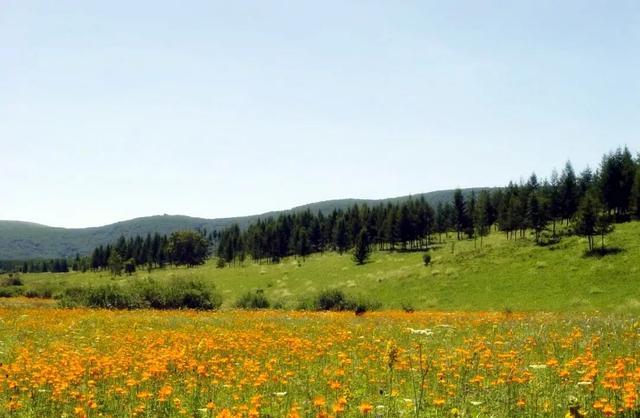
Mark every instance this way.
x=568 y=192
x=340 y=238
x=537 y=215
x=587 y=218
x=188 y=248
x=362 y=249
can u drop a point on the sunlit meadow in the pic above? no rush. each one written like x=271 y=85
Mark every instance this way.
x=81 y=362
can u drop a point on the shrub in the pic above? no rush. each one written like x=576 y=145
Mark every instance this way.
x=12 y=280
x=253 y=300
x=9 y=292
x=73 y=296
x=426 y=259
x=175 y=294
x=130 y=266
x=43 y=292
x=408 y=307
x=336 y=300
x=191 y=294
x=332 y=300
x=112 y=296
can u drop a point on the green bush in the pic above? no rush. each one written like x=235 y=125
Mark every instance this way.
x=253 y=300
x=12 y=280
x=176 y=294
x=112 y=296
x=10 y=292
x=42 y=292
x=333 y=300
x=426 y=259
x=336 y=300
x=73 y=296
x=192 y=294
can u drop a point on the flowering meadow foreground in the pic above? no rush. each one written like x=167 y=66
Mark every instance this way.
x=81 y=362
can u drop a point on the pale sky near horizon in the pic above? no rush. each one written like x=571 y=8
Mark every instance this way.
x=114 y=110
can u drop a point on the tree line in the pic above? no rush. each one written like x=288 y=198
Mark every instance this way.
x=565 y=203
x=587 y=203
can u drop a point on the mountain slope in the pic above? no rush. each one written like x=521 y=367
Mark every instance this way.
x=24 y=240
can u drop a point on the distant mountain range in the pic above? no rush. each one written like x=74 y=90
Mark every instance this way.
x=25 y=240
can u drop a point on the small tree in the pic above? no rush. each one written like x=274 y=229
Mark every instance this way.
x=115 y=263
x=587 y=218
x=362 y=250
x=603 y=226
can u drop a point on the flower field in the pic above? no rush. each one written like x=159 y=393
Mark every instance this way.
x=81 y=362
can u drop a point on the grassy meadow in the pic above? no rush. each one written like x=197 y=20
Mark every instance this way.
x=502 y=275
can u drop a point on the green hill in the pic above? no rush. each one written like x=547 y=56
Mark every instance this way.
x=23 y=240
x=502 y=275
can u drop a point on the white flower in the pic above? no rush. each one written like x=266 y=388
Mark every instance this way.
x=538 y=366
x=425 y=331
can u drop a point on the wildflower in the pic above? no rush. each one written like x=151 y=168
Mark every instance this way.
x=319 y=402
x=438 y=402
x=365 y=408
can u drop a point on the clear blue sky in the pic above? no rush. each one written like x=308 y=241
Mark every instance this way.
x=116 y=109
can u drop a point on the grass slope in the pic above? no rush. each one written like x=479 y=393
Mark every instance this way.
x=502 y=275
x=23 y=240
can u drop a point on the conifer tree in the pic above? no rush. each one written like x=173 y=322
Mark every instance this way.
x=586 y=218
x=362 y=249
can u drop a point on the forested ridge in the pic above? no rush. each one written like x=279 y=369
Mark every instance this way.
x=544 y=209
x=587 y=204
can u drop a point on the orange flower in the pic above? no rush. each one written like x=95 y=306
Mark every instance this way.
x=365 y=408
x=319 y=402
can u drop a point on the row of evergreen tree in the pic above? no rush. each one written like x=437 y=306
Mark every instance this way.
x=586 y=203
x=54 y=265
x=612 y=192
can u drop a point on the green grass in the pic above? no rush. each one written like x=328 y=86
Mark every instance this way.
x=516 y=275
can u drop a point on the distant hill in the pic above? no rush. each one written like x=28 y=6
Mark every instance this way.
x=25 y=240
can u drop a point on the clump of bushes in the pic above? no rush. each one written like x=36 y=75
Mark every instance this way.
x=10 y=291
x=42 y=292
x=11 y=286
x=175 y=294
x=12 y=280
x=337 y=300
x=253 y=300
x=408 y=307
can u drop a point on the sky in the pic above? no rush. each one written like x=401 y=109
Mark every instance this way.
x=120 y=109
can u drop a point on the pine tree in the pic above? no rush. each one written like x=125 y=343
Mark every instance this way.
x=537 y=216
x=635 y=194
x=362 y=249
x=460 y=213
x=482 y=216
x=340 y=235
x=586 y=218
x=568 y=192
x=553 y=197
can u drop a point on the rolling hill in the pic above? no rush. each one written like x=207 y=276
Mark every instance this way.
x=24 y=240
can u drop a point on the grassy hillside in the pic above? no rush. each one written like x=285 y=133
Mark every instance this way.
x=502 y=275
x=23 y=240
